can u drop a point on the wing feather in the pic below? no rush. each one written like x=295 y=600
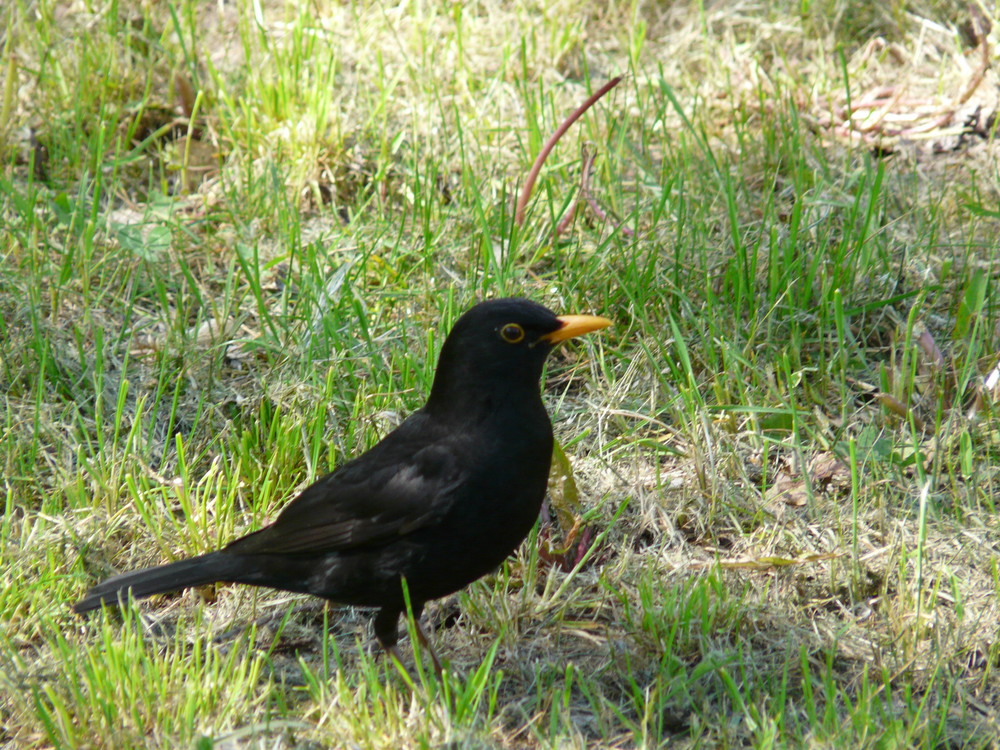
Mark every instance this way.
x=403 y=483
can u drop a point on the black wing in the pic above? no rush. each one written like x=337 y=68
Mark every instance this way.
x=401 y=484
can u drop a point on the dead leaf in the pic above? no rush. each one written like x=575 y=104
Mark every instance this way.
x=828 y=472
x=788 y=490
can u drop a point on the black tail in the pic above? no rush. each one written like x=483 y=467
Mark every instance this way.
x=196 y=571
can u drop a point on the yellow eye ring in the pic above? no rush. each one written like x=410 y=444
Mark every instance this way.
x=512 y=333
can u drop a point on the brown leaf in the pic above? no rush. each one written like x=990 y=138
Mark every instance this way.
x=788 y=490
x=828 y=472
x=929 y=347
x=185 y=93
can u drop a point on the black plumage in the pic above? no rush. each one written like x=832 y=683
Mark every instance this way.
x=440 y=501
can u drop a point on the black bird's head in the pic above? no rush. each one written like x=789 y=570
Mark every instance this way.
x=500 y=346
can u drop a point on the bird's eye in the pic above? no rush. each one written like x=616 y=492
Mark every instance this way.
x=512 y=333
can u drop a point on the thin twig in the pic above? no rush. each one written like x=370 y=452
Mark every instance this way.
x=599 y=212
x=522 y=201
x=981 y=31
x=588 y=162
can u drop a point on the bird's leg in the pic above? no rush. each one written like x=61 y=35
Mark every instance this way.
x=384 y=626
x=385 y=630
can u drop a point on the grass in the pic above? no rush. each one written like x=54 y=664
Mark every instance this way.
x=233 y=237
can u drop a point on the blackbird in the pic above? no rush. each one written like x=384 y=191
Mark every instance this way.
x=442 y=500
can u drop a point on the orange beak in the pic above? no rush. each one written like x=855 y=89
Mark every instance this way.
x=575 y=325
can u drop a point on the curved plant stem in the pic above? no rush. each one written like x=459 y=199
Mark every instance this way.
x=522 y=201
